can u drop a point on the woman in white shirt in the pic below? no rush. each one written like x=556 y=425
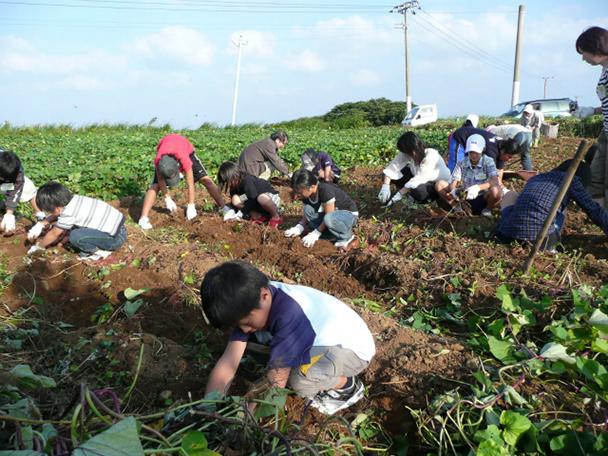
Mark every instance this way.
x=413 y=171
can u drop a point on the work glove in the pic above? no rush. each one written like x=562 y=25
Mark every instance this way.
x=35 y=232
x=190 y=212
x=584 y=111
x=396 y=198
x=473 y=192
x=8 y=223
x=170 y=204
x=33 y=249
x=40 y=215
x=310 y=239
x=294 y=231
x=226 y=209
x=385 y=193
x=232 y=215
x=144 y=223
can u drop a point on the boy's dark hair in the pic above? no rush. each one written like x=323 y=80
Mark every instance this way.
x=230 y=291
x=593 y=40
x=303 y=178
x=410 y=144
x=281 y=135
x=508 y=146
x=9 y=166
x=228 y=174
x=312 y=154
x=53 y=195
x=467 y=123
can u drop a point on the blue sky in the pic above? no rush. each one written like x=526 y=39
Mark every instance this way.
x=109 y=61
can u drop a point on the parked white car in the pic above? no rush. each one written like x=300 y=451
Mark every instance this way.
x=420 y=115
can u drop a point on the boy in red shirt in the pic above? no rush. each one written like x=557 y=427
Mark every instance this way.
x=175 y=155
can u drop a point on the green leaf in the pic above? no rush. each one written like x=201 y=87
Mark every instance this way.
x=274 y=400
x=194 y=443
x=130 y=293
x=599 y=320
x=593 y=371
x=492 y=448
x=556 y=352
x=572 y=443
x=131 y=307
x=515 y=425
x=490 y=433
x=21 y=453
x=600 y=345
x=27 y=379
x=120 y=440
x=501 y=349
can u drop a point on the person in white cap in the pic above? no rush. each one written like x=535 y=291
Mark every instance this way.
x=472 y=120
x=476 y=177
x=532 y=119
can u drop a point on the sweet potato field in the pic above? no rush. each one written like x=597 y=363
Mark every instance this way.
x=473 y=357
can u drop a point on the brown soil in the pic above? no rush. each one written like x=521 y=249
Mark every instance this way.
x=405 y=260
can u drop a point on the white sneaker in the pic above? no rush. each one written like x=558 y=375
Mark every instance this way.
x=344 y=243
x=97 y=255
x=486 y=212
x=144 y=223
x=332 y=401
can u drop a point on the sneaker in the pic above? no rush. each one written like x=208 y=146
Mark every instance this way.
x=96 y=256
x=486 y=212
x=344 y=243
x=144 y=223
x=332 y=401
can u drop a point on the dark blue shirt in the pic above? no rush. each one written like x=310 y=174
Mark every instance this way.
x=462 y=134
x=525 y=219
x=323 y=161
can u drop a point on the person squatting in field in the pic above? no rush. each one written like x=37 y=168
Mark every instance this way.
x=321 y=165
x=260 y=158
x=251 y=197
x=413 y=172
x=328 y=211
x=592 y=44
x=16 y=188
x=175 y=155
x=94 y=228
x=318 y=345
x=476 y=177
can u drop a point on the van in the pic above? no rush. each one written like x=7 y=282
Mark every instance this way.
x=420 y=115
x=550 y=107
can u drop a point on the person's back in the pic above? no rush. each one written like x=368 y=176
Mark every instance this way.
x=259 y=158
x=459 y=140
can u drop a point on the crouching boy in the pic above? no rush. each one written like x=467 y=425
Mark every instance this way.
x=318 y=344
x=95 y=228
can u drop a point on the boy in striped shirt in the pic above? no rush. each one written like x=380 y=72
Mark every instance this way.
x=95 y=228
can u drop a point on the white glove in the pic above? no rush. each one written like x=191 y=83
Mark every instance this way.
x=35 y=248
x=396 y=198
x=8 y=223
x=385 y=193
x=294 y=231
x=144 y=223
x=170 y=204
x=473 y=192
x=190 y=212
x=229 y=215
x=584 y=111
x=226 y=209
x=310 y=239
x=40 y=215
x=35 y=232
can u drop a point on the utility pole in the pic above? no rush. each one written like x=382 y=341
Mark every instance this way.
x=545 y=78
x=518 y=44
x=239 y=45
x=402 y=9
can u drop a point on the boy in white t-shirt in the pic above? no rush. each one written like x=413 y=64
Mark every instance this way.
x=318 y=344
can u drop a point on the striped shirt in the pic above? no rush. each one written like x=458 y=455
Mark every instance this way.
x=602 y=93
x=85 y=212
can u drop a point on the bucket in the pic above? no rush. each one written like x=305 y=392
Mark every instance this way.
x=549 y=129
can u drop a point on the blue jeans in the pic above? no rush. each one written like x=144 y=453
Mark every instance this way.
x=526 y=161
x=89 y=240
x=339 y=223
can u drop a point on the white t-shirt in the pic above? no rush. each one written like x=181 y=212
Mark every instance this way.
x=431 y=169
x=85 y=212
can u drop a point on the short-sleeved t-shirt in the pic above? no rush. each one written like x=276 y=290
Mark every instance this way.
x=301 y=317
x=328 y=193
x=86 y=212
x=324 y=160
x=470 y=174
x=253 y=186
x=178 y=147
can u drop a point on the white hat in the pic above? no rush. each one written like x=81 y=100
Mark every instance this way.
x=529 y=109
x=475 y=143
x=474 y=118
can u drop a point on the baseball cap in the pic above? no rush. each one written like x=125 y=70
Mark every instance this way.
x=474 y=119
x=475 y=143
x=529 y=109
x=168 y=167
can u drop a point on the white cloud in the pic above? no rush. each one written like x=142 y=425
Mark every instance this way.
x=307 y=61
x=78 y=82
x=365 y=78
x=178 y=43
x=258 y=44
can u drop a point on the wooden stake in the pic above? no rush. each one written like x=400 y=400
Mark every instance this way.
x=580 y=153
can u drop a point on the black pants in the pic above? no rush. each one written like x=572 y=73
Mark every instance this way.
x=424 y=193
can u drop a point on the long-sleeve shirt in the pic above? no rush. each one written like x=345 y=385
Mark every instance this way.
x=602 y=93
x=526 y=219
x=533 y=121
x=253 y=157
x=12 y=190
x=431 y=169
